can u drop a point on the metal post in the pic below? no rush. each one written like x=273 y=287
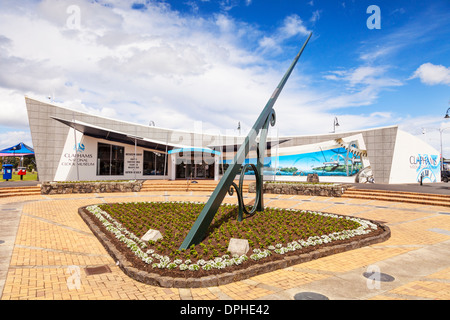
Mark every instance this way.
x=135 y=158
x=165 y=156
x=76 y=146
x=442 y=156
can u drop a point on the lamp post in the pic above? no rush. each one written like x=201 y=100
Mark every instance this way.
x=447 y=116
x=442 y=156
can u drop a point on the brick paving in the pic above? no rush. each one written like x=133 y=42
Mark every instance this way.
x=53 y=247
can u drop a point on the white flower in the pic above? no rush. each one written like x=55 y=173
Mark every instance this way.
x=207 y=267
x=219 y=265
x=183 y=267
x=172 y=266
x=201 y=262
x=194 y=267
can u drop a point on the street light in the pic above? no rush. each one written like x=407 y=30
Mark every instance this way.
x=442 y=156
x=440 y=132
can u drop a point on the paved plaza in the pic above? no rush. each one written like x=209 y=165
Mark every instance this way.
x=46 y=248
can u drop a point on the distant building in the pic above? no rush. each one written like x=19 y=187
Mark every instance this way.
x=71 y=145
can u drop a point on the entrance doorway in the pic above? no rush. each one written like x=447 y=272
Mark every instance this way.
x=194 y=163
x=189 y=169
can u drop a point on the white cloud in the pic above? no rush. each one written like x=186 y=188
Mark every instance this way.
x=431 y=74
x=123 y=59
x=359 y=86
x=428 y=129
x=157 y=65
x=14 y=113
x=292 y=26
x=315 y=16
x=11 y=138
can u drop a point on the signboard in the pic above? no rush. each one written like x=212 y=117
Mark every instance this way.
x=77 y=158
x=133 y=163
x=414 y=161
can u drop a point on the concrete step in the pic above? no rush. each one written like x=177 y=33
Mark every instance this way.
x=398 y=196
x=164 y=188
x=183 y=185
x=19 y=191
x=396 y=193
x=19 y=194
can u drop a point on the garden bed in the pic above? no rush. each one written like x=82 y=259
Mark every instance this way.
x=278 y=238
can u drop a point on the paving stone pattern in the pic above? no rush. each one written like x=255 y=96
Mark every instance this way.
x=47 y=249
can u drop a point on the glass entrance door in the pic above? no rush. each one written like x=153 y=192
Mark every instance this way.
x=194 y=170
x=200 y=171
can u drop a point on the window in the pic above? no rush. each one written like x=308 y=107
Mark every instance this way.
x=154 y=164
x=110 y=160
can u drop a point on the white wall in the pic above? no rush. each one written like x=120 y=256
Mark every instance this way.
x=85 y=169
x=413 y=158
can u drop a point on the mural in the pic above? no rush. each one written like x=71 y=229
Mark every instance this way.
x=340 y=157
x=332 y=162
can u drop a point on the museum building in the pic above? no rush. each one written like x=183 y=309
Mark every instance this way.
x=74 y=146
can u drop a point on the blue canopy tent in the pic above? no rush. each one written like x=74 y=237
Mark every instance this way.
x=20 y=150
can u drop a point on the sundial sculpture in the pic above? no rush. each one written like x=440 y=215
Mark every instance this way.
x=198 y=230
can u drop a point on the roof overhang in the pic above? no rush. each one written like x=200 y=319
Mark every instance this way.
x=203 y=150
x=118 y=136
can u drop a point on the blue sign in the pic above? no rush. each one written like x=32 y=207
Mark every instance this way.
x=80 y=148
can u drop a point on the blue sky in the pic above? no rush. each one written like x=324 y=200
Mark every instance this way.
x=178 y=62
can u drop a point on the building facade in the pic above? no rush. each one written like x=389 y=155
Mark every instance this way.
x=76 y=146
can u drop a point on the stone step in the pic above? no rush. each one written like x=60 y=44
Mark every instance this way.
x=164 y=188
x=404 y=194
x=19 y=191
x=407 y=197
x=183 y=185
x=9 y=189
x=20 y=194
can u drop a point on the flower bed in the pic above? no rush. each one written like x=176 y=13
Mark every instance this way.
x=275 y=237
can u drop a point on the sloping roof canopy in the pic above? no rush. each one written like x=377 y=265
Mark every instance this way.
x=113 y=135
x=204 y=150
x=18 y=150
